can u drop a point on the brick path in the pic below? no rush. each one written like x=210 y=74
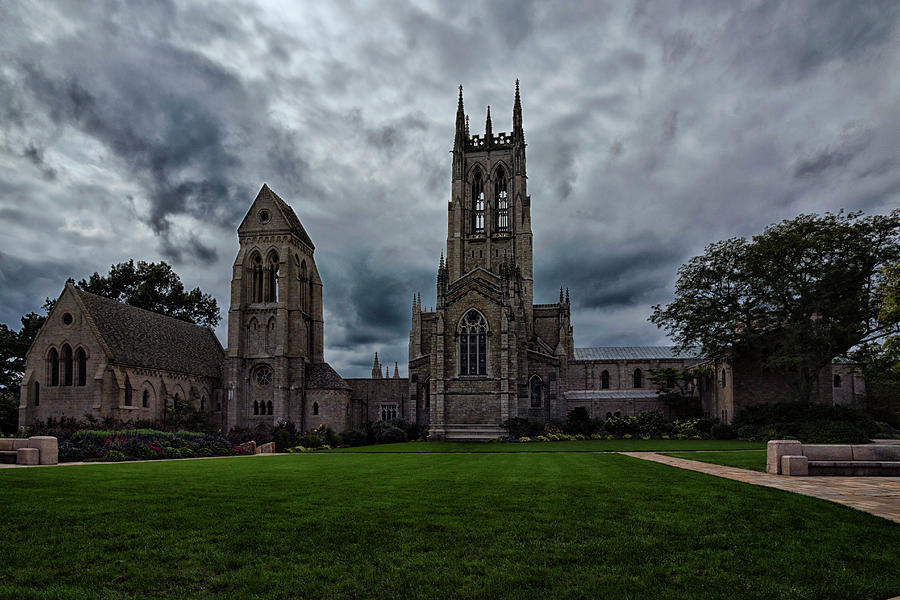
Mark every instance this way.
x=877 y=495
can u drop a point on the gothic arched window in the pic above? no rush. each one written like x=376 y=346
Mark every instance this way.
x=53 y=366
x=256 y=278
x=271 y=291
x=604 y=380
x=638 y=378
x=68 y=366
x=315 y=408
x=837 y=380
x=37 y=393
x=477 y=202
x=537 y=391
x=269 y=407
x=473 y=344
x=81 y=366
x=723 y=378
x=304 y=295
x=145 y=399
x=255 y=407
x=502 y=201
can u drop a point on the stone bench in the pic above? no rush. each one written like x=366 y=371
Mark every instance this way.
x=45 y=446
x=791 y=457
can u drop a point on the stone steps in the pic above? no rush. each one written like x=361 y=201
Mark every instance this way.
x=472 y=432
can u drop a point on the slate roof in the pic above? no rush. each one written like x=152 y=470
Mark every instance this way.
x=142 y=338
x=630 y=353
x=320 y=376
x=610 y=394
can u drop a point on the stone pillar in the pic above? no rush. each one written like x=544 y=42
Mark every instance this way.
x=48 y=447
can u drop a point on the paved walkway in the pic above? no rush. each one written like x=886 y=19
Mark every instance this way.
x=877 y=495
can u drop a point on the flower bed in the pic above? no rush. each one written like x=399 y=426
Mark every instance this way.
x=142 y=444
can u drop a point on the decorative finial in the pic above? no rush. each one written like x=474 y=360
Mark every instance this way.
x=560 y=294
x=567 y=295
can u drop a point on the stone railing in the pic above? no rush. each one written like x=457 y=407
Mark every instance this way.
x=791 y=457
x=36 y=450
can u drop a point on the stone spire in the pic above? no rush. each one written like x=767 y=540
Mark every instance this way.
x=567 y=295
x=517 y=115
x=376 y=368
x=488 y=130
x=460 y=141
x=560 y=297
x=387 y=372
x=396 y=371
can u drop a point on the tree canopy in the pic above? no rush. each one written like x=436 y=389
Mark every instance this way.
x=152 y=286
x=795 y=296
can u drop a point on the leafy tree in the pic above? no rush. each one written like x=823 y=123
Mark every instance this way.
x=676 y=389
x=152 y=286
x=793 y=297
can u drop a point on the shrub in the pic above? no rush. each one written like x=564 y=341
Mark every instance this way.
x=355 y=437
x=579 y=421
x=517 y=427
x=650 y=423
x=115 y=456
x=723 y=431
x=390 y=435
x=811 y=423
x=619 y=426
x=310 y=440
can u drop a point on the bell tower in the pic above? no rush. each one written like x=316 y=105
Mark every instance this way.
x=489 y=213
x=275 y=323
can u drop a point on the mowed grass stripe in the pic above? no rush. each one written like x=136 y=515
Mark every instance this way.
x=754 y=460
x=567 y=525
x=572 y=446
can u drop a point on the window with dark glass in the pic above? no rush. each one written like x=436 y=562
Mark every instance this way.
x=837 y=381
x=477 y=203
x=502 y=201
x=604 y=380
x=638 y=378
x=537 y=390
x=81 y=364
x=473 y=344
x=53 y=366
x=68 y=366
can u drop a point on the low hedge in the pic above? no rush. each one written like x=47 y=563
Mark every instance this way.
x=142 y=444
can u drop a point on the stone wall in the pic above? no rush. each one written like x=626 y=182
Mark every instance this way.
x=334 y=409
x=368 y=395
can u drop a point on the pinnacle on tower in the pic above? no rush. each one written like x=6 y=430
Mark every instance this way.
x=459 y=143
x=396 y=371
x=567 y=295
x=467 y=126
x=376 y=368
x=560 y=295
x=517 y=113
x=488 y=130
x=387 y=372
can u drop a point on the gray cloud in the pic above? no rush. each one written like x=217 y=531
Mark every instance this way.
x=144 y=130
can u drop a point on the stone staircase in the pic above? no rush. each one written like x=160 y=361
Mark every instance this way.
x=472 y=432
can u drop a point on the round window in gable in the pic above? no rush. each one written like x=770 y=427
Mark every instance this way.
x=263 y=376
x=264 y=216
x=67 y=318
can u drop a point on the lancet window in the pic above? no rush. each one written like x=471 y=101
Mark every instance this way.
x=473 y=344
x=477 y=203
x=502 y=201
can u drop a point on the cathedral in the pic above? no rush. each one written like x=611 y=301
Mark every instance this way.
x=484 y=354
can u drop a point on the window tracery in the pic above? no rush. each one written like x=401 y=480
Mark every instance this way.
x=473 y=344
x=502 y=201
x=477 y=202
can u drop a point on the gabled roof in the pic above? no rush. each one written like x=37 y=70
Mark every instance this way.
x=142 y=338
x=630 y=353
x=320 y=376
x=267 y=196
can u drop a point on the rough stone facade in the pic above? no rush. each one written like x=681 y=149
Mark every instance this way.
x=97 y=357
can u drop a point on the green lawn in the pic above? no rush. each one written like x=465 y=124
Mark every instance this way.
x=755 y=460
x=562 y=525
x=576 y=446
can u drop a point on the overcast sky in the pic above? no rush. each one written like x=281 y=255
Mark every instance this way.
x=144 y=130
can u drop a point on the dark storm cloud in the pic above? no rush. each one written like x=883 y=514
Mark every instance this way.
x=145 y=129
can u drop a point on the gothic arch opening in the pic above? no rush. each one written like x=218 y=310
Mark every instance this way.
x=477 y=201
x=81 y=366
x=501 y=199
x=638 y=378
x=473 y=344
x=68 y=365
x=604 y=380
x=271 y=283
x=53 y=367
x=255 y=277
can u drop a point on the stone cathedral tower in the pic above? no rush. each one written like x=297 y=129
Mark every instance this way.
x=274 y=363
x=487 y=353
